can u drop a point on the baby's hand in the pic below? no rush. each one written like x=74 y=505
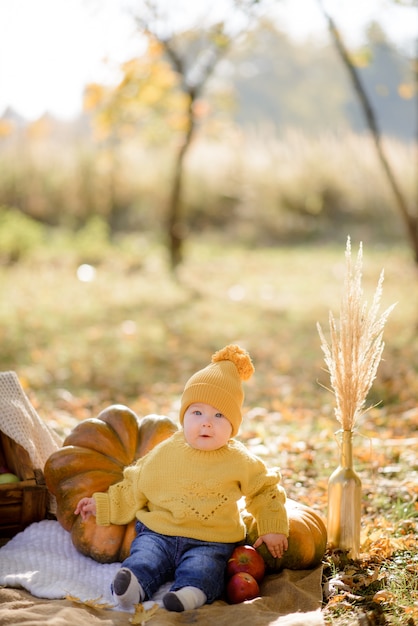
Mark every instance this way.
x=85 y=508
x=275 y=542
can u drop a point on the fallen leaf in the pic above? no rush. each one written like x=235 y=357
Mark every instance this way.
x=143 y=615
x=383 y=596
x=95 y=603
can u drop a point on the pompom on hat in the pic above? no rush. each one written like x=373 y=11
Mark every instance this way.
x=219 y=384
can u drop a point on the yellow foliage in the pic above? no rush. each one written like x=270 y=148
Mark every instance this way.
x=361 y=58
x=151 y=94
x=94 y=96
x=155 y=49
x=39 y=129
x=6 y=128
x=201 y=108
x=146 y=97
x=406 y=91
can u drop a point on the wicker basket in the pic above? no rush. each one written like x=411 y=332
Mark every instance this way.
x=24 y=502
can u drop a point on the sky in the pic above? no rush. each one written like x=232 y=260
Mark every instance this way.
x=50 y=49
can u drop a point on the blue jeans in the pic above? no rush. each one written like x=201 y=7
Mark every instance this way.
x=156 y=559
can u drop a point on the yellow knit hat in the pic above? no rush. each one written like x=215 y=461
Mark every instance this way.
x=219 y=384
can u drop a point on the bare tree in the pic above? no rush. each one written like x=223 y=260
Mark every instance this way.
x=194 y=54
x=410 y=219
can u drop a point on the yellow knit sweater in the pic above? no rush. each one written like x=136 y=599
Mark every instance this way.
x=178 y=490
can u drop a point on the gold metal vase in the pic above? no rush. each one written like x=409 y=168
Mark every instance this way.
x=344 y=502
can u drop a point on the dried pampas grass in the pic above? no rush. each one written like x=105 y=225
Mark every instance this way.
x=354 y=352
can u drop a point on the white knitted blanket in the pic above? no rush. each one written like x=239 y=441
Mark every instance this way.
x=20 y=422
x=43 y=560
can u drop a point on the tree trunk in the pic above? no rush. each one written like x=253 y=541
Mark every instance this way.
x=411 y=222
x=175 y=223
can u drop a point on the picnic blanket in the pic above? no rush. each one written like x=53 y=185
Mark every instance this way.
x=40 y=570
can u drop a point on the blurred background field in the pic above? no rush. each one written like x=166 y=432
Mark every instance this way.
x=122 y=330
x=257 y=189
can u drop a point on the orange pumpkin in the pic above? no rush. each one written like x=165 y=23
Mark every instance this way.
x=307 y=538
x=92 y=458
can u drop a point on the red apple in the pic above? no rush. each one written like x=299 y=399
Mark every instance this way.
x=246 y=559
x=240 y=587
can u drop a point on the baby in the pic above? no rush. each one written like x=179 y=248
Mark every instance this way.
x=184 y=495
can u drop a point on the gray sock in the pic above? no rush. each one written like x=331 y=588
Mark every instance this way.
x=126 y=589
x=184 y=599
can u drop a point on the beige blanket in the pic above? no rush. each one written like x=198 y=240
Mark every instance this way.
x=288 y=599
x=43 y=561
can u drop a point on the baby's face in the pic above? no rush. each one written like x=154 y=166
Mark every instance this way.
x=206 y=428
